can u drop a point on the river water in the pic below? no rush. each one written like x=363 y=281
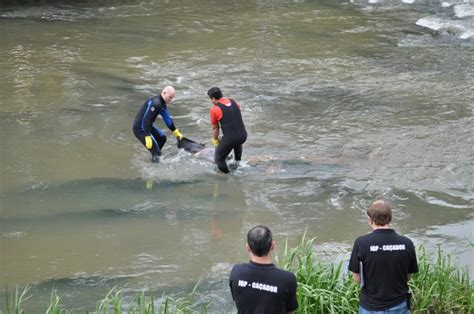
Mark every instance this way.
x=344 y=102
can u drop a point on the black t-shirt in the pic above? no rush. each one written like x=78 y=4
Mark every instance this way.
x=263 y=288
x=387 y=258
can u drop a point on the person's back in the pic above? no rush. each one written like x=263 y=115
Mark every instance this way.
x=259 y=286
x=143 y=121
x=231 y=123
x=382 y=262
x=387 y=259
x=262 y=288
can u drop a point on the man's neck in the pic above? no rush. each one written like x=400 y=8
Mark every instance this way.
x=376 y=227
x=262 y=259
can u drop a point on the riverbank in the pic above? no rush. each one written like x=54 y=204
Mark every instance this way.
x=440 y=286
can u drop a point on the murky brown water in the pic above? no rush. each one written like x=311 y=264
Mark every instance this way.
x=344 y=102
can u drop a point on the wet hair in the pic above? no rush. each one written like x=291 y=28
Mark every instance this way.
x=259 y=239
x=380 y=213
x=214 y=92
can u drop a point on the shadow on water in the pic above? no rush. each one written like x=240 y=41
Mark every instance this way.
x=77 y=2
x=84 y=253
x=100 y=215
x=86 y=193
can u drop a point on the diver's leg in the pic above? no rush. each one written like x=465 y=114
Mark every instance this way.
x=222 y=151
x=159 y=136
x=140 y=135
x=159 y=139
x=238 y=152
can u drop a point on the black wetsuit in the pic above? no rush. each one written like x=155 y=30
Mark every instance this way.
x=143 y=124
x=234 y=135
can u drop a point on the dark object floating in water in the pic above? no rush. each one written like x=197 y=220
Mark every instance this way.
x=190 y=145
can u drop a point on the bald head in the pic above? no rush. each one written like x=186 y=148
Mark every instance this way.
x=168 y=93
x=380 y=213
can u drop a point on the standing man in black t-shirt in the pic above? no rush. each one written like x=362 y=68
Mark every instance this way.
x=258 y=286
x=382 y=262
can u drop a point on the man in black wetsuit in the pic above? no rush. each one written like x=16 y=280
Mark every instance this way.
x=383 y=262
x=225 y=113
x=151 y=137
x=258 y=286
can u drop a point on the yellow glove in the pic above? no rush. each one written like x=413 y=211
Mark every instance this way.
x=148 y=142
x=177 y=134
x=215 y=142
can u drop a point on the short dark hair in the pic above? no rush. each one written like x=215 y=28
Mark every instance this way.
x=380 y=212
x=214 y=92
x=259 y=239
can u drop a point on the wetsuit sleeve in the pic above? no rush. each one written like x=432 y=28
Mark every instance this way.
x=216 y=115
x=354 y=265
x=167 y=119
x=148 y=117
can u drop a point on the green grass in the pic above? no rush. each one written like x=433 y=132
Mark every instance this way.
x=111 y=303
x=323 y=287
x=15 y=300
x=441 y=287
x=438 y=287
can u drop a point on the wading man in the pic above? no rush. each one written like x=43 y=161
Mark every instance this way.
x=151 y=137
x=225 y=113
x=258 y=286
x=382 y=262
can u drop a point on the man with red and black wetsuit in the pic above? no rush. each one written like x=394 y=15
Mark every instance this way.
x=225 y=113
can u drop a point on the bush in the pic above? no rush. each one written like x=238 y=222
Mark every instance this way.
x=438 y=287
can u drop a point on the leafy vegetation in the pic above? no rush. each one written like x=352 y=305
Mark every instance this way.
x=438 y=287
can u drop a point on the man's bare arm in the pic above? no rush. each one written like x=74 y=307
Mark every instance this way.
x=356 y=277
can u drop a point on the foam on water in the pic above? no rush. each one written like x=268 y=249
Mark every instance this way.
x=463 y=10
x=448 y=17
x=174 y=167
x=435 y=201
x=461 y=26
x=455 y=27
